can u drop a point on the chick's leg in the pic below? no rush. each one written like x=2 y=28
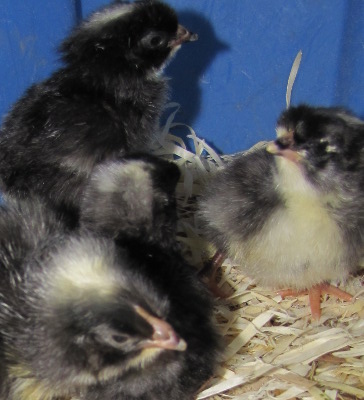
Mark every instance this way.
x=209 y=271
x=314 y=295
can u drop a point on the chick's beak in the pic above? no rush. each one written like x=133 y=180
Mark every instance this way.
x=164 y=336
x=292 y=155
x=182 y=36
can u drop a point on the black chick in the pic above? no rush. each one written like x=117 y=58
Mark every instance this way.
x=74 y=311
x=104 y=102
x=292 y=214
x=83 y=317
x=132 y=198
x=133 y=202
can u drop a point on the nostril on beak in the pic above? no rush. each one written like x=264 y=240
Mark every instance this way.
x=183 y=35
x=193 y=37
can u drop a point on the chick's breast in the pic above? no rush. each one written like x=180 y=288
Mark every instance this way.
x=263 y=213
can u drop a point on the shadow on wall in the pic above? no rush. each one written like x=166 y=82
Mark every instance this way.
x=349 y=90
x=187 y=69
x=78 y=10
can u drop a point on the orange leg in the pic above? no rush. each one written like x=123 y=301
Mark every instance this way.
x=314 y=295
x=209 y=273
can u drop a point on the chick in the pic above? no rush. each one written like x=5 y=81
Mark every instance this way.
x=292 y=214
x=132 y=198
x=103 y=102
x=75 y=315
x=83 y=317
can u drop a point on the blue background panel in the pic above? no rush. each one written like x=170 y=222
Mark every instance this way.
x=231 y=84
x=30 y=32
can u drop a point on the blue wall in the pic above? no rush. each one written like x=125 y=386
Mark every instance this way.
x=232 y=82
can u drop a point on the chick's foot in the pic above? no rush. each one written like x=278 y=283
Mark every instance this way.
x=314 y=295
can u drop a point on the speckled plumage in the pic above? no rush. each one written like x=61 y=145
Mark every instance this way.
x=104 y=102
x=69 y=319
x=293 y=218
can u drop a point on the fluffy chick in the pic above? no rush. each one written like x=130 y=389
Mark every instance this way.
x=104 y=101
x=292 y=214
x=132 y=198
x=81 y=317
x=73 y=310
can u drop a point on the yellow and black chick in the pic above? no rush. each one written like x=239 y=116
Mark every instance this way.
x=105 y=101
x=74 y=313
x=292 y=214
x=88 y=316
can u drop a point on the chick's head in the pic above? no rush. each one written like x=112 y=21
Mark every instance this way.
x=325 y=142
x=89 y=318
x=134 y=37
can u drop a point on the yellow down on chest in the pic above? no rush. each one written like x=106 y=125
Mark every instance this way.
x=300 y=244
x=27 y=388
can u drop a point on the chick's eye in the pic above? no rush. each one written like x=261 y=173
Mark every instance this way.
x=153 y=40
x=156 y=40
x=119 y=338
